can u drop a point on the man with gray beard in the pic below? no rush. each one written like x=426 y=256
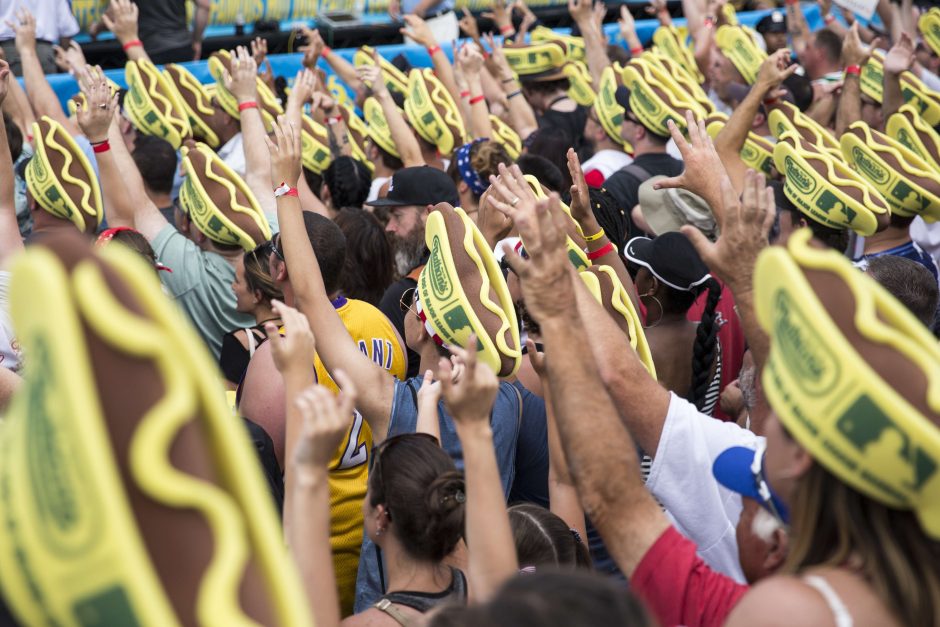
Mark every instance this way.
x=412 y=194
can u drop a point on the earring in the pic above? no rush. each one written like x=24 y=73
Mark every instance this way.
x=661 y=311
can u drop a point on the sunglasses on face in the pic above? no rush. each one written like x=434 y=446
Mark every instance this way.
x=407 y=301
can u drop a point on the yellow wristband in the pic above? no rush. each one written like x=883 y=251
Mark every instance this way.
x=595 y=237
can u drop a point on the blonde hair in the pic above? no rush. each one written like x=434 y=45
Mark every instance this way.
x=834 y=525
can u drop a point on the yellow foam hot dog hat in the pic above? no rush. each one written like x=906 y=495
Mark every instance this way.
x=872 y=78
x=219 y=201
x=575 y=236
x=358 y=133
x=653 y=101
x=131 y=496
x=61 y=179
x=908 y=128
x=534 y=60
x=669 y=43
x=153 y=104
x=904 y=179
x=432 y=112
x=395 y=79
x=929 y=27
x=606 y=108
x=377 y=127
x=922 y=97
x=852 y=375
x=196 y=102
x=757 y=152
x=315 y=145
x=681 y=77
x=605 y=285
x=785 y=117
x=738 y=45
x=462 y=291
x=579 y=83
x=826 y=190
x=574 y=46
x=268 y=103
x=505 y=135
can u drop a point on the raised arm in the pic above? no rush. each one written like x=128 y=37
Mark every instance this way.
x=899 y=59
x=340 y=144
x=628 y=31
x=419 y=31
x=408 y=148
x=316 y=48
x=470 y=62
x=243 y=84
x=335 y=346
x=200 y=21
x=121 y=19
x=854 y=52
x=610 y=487
x=492 y=558
x=521 y=114
x=10 y=241
x=594 y=46
x=41 y=95
x=797 y=28
x=17 y=106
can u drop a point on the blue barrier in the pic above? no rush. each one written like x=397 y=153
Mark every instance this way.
x=288 y=65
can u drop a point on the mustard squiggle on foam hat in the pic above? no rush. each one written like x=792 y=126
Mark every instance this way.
x=574 y=46
x=872 y=78
x=684 y=100
x=506 y=136
x=461 y=291
x=432 y=112
x=756 y=153
x=825 y=189
x=219 y=201
x=268 y=104
x=852 y=375
x=130 y=496
x=535 y=59
x=153 y=104
x=903 y=178
x=653 y=101
x=927 y=102
x=395 y=79
x=929 y=27
x=196 y=102
x=669 y=43
x=606 y=287
x=738 y=45
x=315 y=145
x=785 y=117
x=908 y=128
x=579 y=83
x=61 y=179
x=682 y=79
x=608 y=111
x=377 y=125
x=575 y=236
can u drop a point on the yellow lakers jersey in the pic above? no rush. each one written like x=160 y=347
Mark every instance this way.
x=376 y=338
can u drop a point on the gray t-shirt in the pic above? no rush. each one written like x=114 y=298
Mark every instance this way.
x=201 y=282
x=162 y=25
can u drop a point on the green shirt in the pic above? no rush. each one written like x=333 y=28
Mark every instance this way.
x=201 y=282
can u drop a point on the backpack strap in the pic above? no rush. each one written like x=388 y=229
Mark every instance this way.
x=384 y=605
x=637 y=171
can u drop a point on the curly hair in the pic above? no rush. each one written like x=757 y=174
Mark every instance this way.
x=485 y=157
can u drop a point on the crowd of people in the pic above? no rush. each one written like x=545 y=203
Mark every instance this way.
x=560 y=330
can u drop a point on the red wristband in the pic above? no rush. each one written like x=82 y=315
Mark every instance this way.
x=326 y=50
x=600 y=252
x=829 y=19
x=636 y=51
x=507 y=28
x=104 y=146
x=792 y=2
x=770 y=101
x=334 y=120
x=250 y=104
x=132 y=43
x=433 y=49
x=709 y=21
x=853 y=69
x=465 y=94
x=476 y=99
x=486 y=55
x=285 y=190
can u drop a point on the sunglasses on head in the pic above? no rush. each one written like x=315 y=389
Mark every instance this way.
x=407 y=301
x=269 y=247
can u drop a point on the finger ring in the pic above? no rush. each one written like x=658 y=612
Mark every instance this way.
x=103 y=106
x=515 y=202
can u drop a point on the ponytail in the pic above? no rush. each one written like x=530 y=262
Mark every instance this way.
x=703 y=351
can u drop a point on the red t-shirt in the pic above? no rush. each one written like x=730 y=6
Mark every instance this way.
x=679 y=588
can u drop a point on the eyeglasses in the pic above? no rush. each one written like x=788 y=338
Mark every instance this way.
x=407 y=301
x=763 y=488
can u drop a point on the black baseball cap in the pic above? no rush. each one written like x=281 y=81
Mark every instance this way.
x=421 y=185
x=671 y=258
x=773 y=22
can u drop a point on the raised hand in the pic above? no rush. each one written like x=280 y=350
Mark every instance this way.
x=854 y=52
x=528 y=17
x=25 y=30
x=259 y=50
x=626 y=23
x=774 y=70
x=468 y=24
x=70 y=59
x=242 y=82
x=302 y=91
x=96 y=116
x=4 y=79
x=500 y=65
x=418 y=30
x=121 y=19
x=285 y=152
x=580 y=10
x=510 y=193
x=470 y=61
x=294 y=351
x=325 y=419
x=900 y=57
x=580 y=195
x=703 y=168
x=469 y=397
x=745 y=225
x=501 y=15
x=371 y=77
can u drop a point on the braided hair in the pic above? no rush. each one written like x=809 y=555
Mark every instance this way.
x=705 y=347
x=609 y=216
x=348 y=180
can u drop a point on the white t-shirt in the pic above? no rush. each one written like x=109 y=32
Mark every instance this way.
x=607 y=162
x=376 y=186
x=681 y=478
x=9 y=348
x=54 y=18
x=233 y=154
